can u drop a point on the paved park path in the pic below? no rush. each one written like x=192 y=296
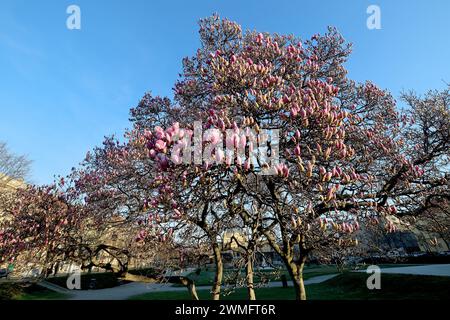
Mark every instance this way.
x=429 y=270
x=136 y=288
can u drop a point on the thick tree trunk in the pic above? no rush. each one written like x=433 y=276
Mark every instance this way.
x=250 y=284
x=219 y=272
x=296 y=273
x=299 y=286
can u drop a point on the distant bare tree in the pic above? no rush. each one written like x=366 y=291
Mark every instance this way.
x=12 y=166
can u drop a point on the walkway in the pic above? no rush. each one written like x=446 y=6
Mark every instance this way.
x=429 y=270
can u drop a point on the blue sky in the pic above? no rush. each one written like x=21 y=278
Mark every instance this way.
x=62 y=90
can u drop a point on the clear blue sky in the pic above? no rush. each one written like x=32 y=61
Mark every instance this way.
x=61 y=91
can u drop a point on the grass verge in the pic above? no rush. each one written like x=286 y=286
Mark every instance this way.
x=15 y=291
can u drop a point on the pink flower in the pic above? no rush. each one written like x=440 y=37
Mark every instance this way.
x=177 y=214
x=219 y=155
x=235 y=127
x=303 y=113
x=228 y=161
x=161 y=145
x=214 y=136
x=163 y=162
x=322 y=171
x=250 y=147
x=176 y=159
x=243 y=142
x=230 y=140
x=221 y=124
x=168 y=137
x=334 y=172
x=282 y=170
x=285 y=171
x=159 y=132
x=236 y=140
x=294 y=112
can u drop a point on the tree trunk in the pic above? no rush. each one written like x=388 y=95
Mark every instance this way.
x=193 y=291
x=446 y=242
x=56 y=270
x=300 y=292
x=219 y=272
x=250 y=284
x=296 y=273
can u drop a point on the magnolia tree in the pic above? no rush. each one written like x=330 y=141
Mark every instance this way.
x=308 y=152
x=171 y=204
x=39 y=227
x=47 y=226
x=114 y=184
x=426 y=195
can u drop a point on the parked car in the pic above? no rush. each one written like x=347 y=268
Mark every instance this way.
x=4 y=273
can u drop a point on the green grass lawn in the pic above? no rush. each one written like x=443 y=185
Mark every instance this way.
x=347 y=286
x=39 y=293
x=14 y=291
